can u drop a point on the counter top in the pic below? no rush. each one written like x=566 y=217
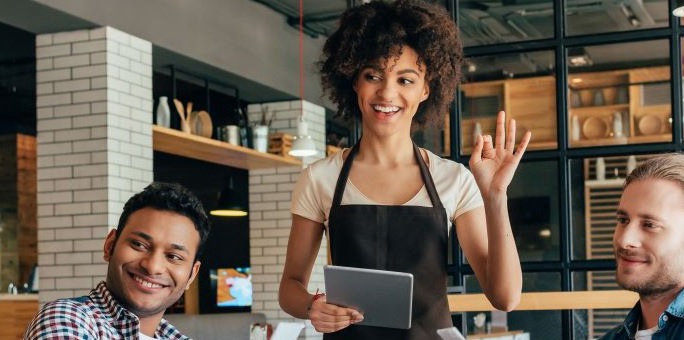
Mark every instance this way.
x=18 y=297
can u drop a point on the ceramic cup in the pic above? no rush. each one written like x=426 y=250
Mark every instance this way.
x=233 y=134
x=260 y=137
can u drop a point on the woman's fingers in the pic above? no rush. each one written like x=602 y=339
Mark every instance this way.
x=500 y=130
x=488 y=150
x=476 y=155
x=328 y=318
x=510 y=136
x=523 y=145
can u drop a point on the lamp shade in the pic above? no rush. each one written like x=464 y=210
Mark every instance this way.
x=678 y=10
x=303 y=145
x=228 y=204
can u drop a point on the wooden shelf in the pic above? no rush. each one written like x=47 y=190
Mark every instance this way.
x=210 y=150
x=606 y=183
x=580 y=110
x=543 y=145
x=665 y=137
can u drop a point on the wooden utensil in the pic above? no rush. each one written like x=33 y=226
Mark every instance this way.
x=188 y=111
x=179 y=108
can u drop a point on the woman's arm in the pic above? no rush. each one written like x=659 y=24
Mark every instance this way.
x=485 y=234
x=498 y=271
x=302 y=248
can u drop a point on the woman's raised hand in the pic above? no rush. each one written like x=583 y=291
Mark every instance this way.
x=327 y=318
x=493 y=163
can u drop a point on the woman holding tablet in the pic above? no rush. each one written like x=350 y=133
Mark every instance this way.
x=387 y=204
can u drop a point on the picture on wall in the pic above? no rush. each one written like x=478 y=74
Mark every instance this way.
x=233 y=286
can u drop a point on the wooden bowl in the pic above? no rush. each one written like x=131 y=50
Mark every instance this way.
x=650 y=125
x=594 y=127
x=200 y=123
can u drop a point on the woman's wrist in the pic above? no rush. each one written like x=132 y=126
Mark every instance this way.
x=311 y=301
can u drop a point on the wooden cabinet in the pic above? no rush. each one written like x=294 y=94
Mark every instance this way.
x=620 y=107
x=16 y=312
x=531 y=101
x=637 y=101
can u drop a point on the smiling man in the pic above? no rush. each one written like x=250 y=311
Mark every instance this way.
x=153 y=258
x=649 y=249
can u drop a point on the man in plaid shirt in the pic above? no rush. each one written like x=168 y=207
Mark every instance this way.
x=153 y=258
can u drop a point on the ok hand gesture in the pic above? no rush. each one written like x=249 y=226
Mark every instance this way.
x=493 y=163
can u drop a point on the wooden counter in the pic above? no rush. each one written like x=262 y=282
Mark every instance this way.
x=596 y=299
x=16 y=311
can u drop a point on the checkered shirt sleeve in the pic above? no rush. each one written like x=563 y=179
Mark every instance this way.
x=61 y=320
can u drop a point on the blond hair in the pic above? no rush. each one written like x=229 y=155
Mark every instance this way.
x=669 y=167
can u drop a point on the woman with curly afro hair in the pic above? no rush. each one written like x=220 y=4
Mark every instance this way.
x=387 y=204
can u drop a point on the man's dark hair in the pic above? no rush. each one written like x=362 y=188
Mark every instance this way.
x=169 y=197
x=374 y=31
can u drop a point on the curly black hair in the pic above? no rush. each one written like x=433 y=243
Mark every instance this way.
x=373 y=31
x=169 y=197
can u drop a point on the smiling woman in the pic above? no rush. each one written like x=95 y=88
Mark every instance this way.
x=393 y=66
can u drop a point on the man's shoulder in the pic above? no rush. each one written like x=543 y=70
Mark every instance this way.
x=63 y=317
x=81 y=304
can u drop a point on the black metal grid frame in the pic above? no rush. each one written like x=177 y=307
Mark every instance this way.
x=563 y=155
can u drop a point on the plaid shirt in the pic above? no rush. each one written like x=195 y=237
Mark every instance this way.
x=96 y=316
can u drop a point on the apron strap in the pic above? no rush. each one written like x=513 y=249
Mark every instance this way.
x=344 y=174
x=427 y=179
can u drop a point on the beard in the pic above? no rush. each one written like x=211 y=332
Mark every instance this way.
x=646 y=289
x=662 y=281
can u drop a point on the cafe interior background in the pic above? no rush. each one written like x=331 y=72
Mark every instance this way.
x=596 y=81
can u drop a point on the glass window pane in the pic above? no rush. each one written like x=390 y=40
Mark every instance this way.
x=533 y=211
x=592 y=323
x=495 y=22
x=619 y=94
x=596 y=187
x=540 y=324
x=532 y=282
x=434 y=137
x=590 y=17
x=522 y=84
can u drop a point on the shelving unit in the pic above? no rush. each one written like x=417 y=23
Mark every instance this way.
x=530 y=101
x=210 y=150
x=632 y=107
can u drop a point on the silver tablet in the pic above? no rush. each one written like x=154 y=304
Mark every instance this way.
x=384 y=297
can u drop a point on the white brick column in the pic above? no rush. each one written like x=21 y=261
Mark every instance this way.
x=94 y=116
x=270 y=196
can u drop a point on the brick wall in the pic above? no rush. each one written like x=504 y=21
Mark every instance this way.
x=270 y=196
x=94 y=104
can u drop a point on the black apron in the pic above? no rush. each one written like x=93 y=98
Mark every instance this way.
x=409 y=239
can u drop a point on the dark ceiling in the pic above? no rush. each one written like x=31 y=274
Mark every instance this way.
x=481 y=22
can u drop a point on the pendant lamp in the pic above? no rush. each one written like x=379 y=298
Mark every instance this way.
x=229 y=204
x=303 y=145
x=678 y=10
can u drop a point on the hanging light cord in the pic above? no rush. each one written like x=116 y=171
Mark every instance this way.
x=301 y=49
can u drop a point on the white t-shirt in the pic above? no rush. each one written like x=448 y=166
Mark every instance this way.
x=314 y=190
x=145 y=337
x=645 y=334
